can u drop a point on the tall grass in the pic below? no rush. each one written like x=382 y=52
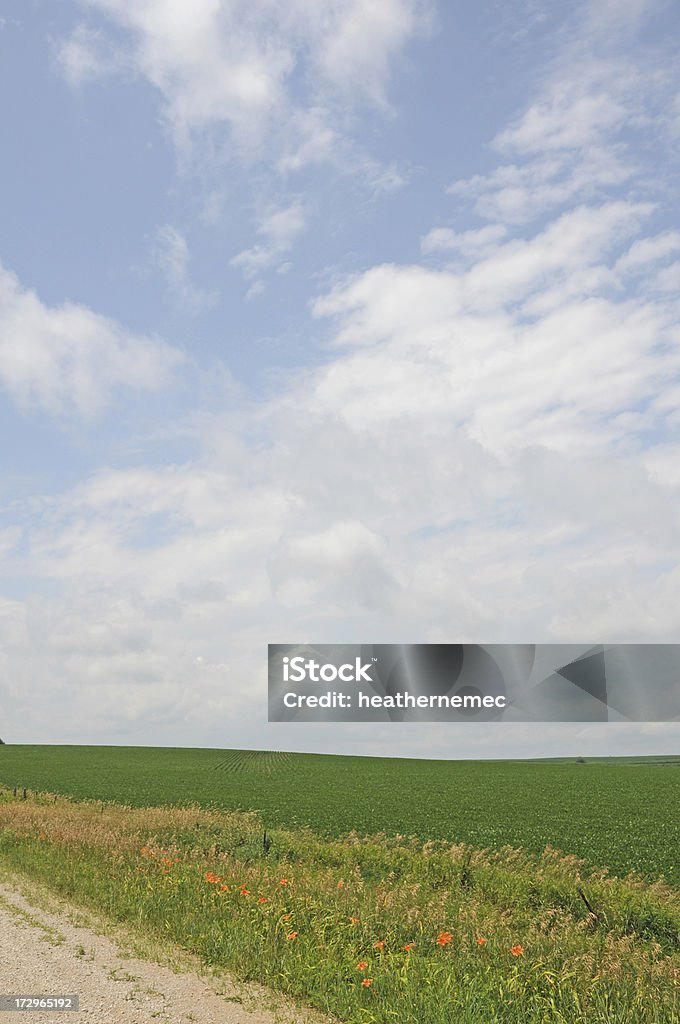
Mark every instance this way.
x=370 y=930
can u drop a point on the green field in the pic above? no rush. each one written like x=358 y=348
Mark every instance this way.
x=616 y=813
x=423 y=892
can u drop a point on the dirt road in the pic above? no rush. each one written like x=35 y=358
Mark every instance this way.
x=62 y=952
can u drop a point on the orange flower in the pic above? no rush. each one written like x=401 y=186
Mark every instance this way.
x=517 y=950
x=362 y=965
x=341 y=884
x=210 y=877
x=379 y=944
x=286 y=917
x=444 y=938
x=284 y=881
x=408 y=947
x=481 y=941
x=262 y=899
x=224 y=888
x=367 y=982
x=354 y=920
x=244 y=891
x=292 y=935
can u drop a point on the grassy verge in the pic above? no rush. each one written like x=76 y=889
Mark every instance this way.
x=370 y=930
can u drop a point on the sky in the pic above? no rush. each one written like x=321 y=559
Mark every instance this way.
x=332 y=323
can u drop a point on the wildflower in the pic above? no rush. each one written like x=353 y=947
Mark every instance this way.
x=243 y=891
x=286 y=917
x=224 y=888
x=262 y=899
x=354 y=920
x=292 y=935
x=444 y=938
x=362 y=965
x=481 y=941
x=408 y=947
x=367 y=982
x=210 y=877
x=379 y=944
x=517 y=950
x=284 y=881
x=341 y=884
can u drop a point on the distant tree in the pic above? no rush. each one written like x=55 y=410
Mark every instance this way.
x=580 y=760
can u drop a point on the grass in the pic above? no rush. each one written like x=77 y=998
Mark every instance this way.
x=613 y=812
x=444 y=932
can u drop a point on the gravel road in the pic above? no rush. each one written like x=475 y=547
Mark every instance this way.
x=44 y=952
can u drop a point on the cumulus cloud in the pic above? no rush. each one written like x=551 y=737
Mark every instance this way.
x=69 y=358
x=528 y=345
x=235 y=64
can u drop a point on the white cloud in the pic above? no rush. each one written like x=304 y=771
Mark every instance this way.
x=312 y=139
x=319 y=530
x=668 y=279
x=524 y=346
x=517 y=194
x=576 y=111
x=88 y=54
x=663 y=460
x=172 y=253
x=357 y=40
x=232 y=63
x=615 y=18
x=172 y=258
x=346 y=561
x=67 y=357
x=587 y=130
x=303 y=519
x=278 y=228
x=649 y=250
x=468 y=243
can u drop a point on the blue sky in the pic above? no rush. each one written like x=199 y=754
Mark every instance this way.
x=331 y=323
